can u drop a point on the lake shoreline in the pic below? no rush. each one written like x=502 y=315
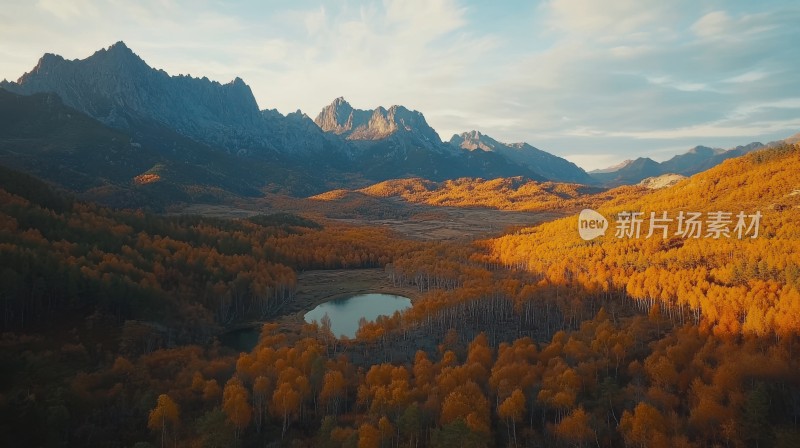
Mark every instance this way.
x=319 y=286
x=346 y=313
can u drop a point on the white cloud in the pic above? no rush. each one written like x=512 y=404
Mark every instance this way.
x=607 y=19
x=748 y=77
x=67 y=10
x=315 y=21
x=630 y=51
x=713 y=130
x=713 y=24
x=425 y=18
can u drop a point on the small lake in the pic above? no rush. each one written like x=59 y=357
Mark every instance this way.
x=346 y=312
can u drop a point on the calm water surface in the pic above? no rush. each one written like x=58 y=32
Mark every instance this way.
x=346 y=312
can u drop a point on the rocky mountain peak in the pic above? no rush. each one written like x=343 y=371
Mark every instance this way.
x=356 y=124
x=118 y=49
x=117 y=87
x=340 y=102
x=336 y=117
x=473 y=140
x=238 y=82
x=119 y=46
x=46 y=62
x=118 y=56
x=705 y=151
x=547 y=165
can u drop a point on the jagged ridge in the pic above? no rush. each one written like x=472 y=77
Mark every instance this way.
x=543 y=163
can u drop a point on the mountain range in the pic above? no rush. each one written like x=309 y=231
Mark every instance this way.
x=542 y=163
x=397 y=142
x=697 y=159
x=111 y=127
x=117 y=88
x=166 y=116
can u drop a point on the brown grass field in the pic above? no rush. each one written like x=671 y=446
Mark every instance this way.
x=408 y=220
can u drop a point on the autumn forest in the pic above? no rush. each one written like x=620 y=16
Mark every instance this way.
x=113 y=320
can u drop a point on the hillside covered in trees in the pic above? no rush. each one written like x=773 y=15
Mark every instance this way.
x=536 y=338
x=510 y=193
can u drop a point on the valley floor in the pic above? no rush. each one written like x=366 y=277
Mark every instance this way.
x=411 y=221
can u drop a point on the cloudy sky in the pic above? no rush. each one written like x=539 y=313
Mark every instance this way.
x=593 y=81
